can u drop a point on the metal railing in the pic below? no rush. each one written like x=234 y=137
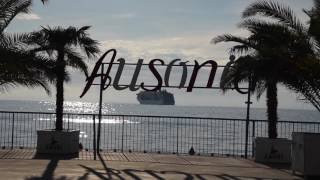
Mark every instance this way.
x=156 y=134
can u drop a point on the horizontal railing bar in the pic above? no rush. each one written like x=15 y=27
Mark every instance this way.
x=167 y=117
x=286 y=121
x=123 y=115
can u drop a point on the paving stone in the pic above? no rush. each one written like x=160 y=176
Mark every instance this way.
x=19 y=164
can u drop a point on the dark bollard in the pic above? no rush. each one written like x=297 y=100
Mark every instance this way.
x=191 y=151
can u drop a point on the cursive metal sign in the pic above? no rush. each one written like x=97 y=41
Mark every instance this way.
x=106 y=79
x=99 y=73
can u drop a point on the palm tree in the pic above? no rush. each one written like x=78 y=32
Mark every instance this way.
x=308 y=82
x=62 y=44
x=271 y=54
x=17 y=65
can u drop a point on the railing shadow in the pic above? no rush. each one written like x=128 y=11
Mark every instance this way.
x=110 y=173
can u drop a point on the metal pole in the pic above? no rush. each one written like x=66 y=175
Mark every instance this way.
x=68 y=121
x=253 y=134
x=122 y=135
x=100 y=109
x=12 y=131
x=94 y=138
x=248 y=117
x=177 y=136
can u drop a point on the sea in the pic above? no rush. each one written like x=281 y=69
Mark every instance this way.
x=159 y=110
x=135 y=127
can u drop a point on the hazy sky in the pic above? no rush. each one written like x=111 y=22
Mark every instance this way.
x=165 y=29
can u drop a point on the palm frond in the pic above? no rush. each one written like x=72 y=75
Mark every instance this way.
x=274 y=10
x=19 y=67
x=56 y=37
x=68 y=42
x=260 y=87
x=315 y=10
x=256 y=25
x=238 y=72
x=9 y=9
x=44 y=1
x=316 y=4
x=240 y=49
x=89 y=46
x=229 y=38
x=309 y=90
x=83 y=30
x=75 y=60
x=24 y=81
x=13 y=40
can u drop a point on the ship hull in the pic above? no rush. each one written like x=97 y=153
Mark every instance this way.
x=156 y=103
x=156 y=98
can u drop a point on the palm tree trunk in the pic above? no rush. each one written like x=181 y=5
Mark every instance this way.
x=60 y=72
x=272 y=106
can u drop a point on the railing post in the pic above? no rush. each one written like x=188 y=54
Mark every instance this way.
x=253 y=135
x=122 y=134
x=68 y=115
x=12 y=131
x=100 y=109
x=177 y=136
x=234 y=137
x=248 y=117
x=94 y=138
x=293 y=127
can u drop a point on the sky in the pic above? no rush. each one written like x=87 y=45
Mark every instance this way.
x=148 y=29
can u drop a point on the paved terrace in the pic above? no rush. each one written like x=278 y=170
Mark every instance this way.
x=21 y=164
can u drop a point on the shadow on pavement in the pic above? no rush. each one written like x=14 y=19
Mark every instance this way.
x=48 y=174
x=110 y=173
